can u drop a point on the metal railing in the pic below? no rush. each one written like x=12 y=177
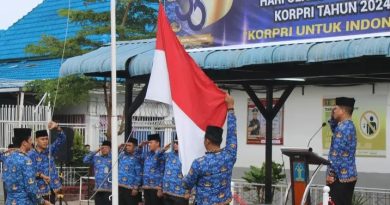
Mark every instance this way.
x=72 y=175
x=85 y=194
x=246 y=193
x=12 y=116
x=251 y=193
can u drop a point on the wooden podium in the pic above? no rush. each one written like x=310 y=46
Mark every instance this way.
x=300 y=159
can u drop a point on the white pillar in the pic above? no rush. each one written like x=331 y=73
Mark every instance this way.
x=232 y=190
x=325 y=195
x=21 y=103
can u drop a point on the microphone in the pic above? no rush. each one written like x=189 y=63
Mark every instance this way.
x=312 y=137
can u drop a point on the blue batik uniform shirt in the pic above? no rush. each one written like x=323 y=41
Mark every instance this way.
x=130 y=170
x=44 y=163
x=173 y=183
x=153 y=170
x=211 y=174
x=102 y=168
x=19 y=179
x=342 y=151
x=4 y=155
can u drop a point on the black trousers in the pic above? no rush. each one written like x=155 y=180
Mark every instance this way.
x=125 y=197
x=51 y=198
x=102 y=198
x=139 y=197
x=151 y=197
x=5 y=192
x=174 y=200
x=342 y=193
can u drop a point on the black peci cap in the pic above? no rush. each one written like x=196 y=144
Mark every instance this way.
x=155 y=137
x=344 y=101
x=106 y=143
x=41 y=133
x=20 y=135
x=134 y=141
x=214 y=134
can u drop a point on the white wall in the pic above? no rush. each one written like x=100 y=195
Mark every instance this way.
x=302 y=117
x=92 y=111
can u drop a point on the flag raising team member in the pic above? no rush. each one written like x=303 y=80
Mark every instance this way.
x=176 y=80
x=19 y=172
x=48 y=180
x=211 y=174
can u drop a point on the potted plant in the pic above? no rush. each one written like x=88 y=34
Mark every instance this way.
x=257 y=175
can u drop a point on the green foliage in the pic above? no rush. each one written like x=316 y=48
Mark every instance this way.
x=78 y=151
x=134 y=21
x=257 y=175
x=72 y=90
x=358 y=199
x=53 y=47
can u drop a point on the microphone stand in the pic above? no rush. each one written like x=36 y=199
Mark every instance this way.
x=312 y=137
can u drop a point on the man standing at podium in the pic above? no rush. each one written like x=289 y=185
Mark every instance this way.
x=342 y=174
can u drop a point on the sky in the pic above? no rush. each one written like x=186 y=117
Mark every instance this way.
x=13 y=10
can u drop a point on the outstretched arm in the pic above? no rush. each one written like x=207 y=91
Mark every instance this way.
x=231 y=139
x=61 y=139
x=88 y=159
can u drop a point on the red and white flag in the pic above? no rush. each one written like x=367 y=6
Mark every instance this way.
x=178 y=81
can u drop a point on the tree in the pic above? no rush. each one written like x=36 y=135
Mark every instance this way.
x=108 y=104
x=135 y=20
x=72 y=90
x=78 y=151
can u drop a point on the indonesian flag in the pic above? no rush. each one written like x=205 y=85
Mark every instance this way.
x=176 y=80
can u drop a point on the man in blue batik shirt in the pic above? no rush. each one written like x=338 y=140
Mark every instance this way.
x=153 y=171
x=130 y=174
x=342 y=174
x=19 y=172
x=101 y=161
x=48 y=180
x=174 y=190
x=211 y=174
x=3 y=156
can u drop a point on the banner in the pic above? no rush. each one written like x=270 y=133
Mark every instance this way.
x=207 y=23
x=257 y=123
x=369 y=118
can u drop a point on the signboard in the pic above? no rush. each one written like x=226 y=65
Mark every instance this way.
x=257 y=124
x=208 y=23
x=299 y=172
x=369 y=118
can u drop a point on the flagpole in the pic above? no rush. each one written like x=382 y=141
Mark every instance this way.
x=114 y=120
